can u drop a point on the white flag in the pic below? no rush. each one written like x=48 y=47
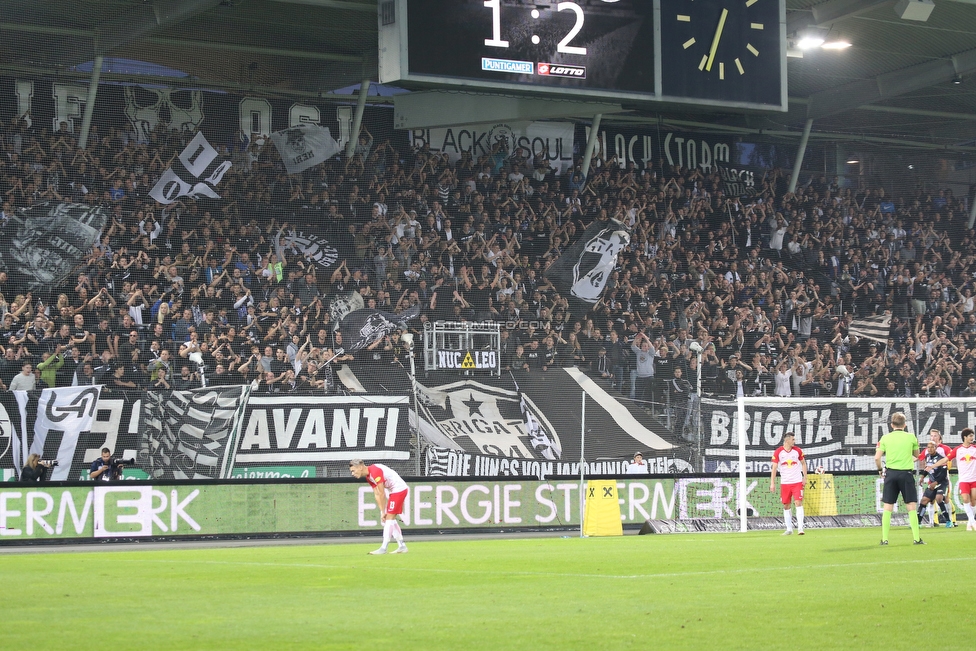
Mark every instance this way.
x=191 y=178
x=304 y=146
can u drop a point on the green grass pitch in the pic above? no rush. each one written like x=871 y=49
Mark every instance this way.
x=834 y=589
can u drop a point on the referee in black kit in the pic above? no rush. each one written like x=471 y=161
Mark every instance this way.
x=899 y=449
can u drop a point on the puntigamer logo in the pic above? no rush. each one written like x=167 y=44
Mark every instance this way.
x=559 y=70
x=507 y=65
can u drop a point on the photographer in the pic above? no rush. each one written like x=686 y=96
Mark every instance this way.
x=36 y=468
x=106 y=468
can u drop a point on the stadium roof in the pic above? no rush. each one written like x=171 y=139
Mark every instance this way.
x=900 y=79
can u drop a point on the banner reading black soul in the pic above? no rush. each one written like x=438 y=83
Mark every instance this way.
x=835 y=436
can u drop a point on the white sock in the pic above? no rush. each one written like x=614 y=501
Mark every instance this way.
x=930 y=509
x=969 y=511
x=397 y=534
x=799 y=518
x=787 y=519
x=387 y=530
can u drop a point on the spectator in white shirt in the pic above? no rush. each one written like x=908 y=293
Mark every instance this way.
x=637 y=466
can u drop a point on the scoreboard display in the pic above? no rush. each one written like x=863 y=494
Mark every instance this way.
x=719 y=52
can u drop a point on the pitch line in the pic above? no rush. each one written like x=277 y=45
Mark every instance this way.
x=572 y=575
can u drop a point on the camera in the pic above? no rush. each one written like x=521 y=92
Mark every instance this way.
x=50 y=463
x=122 y=462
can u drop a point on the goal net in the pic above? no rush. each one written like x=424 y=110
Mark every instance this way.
x=838 y=437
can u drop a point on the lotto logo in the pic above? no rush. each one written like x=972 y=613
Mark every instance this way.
x=556 y=70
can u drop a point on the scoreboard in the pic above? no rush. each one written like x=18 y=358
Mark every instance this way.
x=728 y=53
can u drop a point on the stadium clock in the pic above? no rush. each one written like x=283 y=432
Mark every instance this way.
x=726 y=50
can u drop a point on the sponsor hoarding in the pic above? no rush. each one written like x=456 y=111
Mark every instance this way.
x=145 y=510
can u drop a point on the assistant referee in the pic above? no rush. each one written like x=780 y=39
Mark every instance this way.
x=899 y=449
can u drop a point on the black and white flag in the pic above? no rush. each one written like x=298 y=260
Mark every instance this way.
x=546 y=445
x=582 y=271
x=43 y=244
x=363 y=327
x=197 y=173
x=190 y=434
x=873 y=328
x=307 y=243
x=304 y=146
x=344 y=304
x=48 y=423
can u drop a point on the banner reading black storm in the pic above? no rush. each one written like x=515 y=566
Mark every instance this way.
x=835 y=436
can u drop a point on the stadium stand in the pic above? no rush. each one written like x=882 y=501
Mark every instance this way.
x=773 y=285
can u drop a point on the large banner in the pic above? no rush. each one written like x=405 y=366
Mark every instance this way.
x=309 y=430
x=44 y=244
x=650 y=146
x=552 y=139
x=145 y=510
x=479 y=427
x=52 y=420
x=216 y=433
x=191 y=434
x=835 y=436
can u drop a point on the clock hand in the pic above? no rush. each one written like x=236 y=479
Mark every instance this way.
x=718 y=36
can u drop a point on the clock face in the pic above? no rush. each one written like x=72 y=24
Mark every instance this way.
x=726 y=50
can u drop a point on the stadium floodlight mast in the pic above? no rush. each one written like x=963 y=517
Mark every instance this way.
x=949 y=415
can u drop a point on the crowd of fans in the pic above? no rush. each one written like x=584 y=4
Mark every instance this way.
x=769 y=285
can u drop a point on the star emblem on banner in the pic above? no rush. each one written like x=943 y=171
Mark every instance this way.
x=474 y=406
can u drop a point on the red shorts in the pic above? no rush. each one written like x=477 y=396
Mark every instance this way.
x=394 y=504
x=966 y=487
x=788 y=492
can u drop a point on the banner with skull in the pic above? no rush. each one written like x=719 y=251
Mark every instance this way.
x=175 y=109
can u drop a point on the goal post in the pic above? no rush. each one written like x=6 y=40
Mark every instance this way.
x=836 y=434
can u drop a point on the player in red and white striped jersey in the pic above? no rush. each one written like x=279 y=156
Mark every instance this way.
x=788 y=459
x=384 y=479
x=965 y=458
